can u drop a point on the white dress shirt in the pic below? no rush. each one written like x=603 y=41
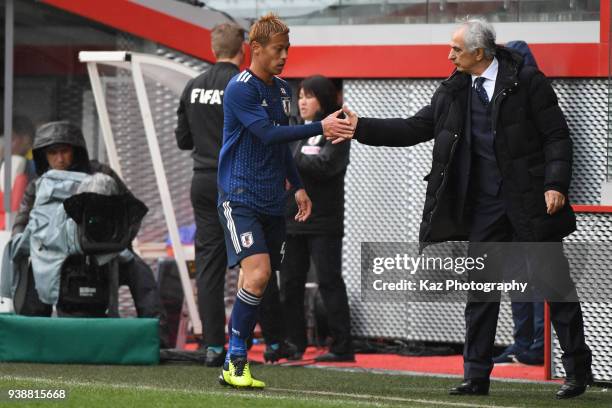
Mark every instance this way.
x=490 y=75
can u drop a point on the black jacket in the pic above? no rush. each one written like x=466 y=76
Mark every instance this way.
x=322 y=166
x=200 y=115
x=532 y=146
x=61 y=132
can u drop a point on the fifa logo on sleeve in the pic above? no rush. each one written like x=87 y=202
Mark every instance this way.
x=206 y=96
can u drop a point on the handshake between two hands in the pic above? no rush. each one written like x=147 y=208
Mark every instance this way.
x=337 y=129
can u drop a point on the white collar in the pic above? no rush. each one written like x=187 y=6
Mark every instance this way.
x=490 y=73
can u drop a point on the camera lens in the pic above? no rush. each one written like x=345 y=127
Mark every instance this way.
x=101 y=223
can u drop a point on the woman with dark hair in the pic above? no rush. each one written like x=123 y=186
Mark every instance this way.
x=322 y=166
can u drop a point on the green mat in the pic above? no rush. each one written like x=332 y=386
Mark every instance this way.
x=79 y=340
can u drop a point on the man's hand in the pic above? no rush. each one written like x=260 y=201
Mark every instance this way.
x=353 y=119
x=304 y=205
x=554 y=201
x=334 y=127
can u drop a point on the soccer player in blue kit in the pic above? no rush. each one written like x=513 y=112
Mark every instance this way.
x=256 y=170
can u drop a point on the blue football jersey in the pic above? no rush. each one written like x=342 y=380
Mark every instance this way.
x=255 y=159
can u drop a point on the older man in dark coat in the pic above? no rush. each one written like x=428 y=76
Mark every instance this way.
x=500 y=172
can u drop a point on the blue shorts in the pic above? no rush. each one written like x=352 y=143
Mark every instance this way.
x=248 y=232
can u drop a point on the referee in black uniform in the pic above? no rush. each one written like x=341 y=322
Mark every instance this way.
x=200 y=129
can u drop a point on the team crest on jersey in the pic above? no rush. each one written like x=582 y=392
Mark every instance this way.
x=247 y=239
x=286 y=104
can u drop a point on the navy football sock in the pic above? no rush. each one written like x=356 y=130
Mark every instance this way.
x=244 y=315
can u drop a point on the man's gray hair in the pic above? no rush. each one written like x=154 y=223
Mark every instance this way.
x=479 y=33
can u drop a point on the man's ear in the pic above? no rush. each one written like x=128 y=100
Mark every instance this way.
x=256 y=48
x=479 y=54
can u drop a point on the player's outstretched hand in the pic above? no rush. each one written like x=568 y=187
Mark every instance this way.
x=353 y=118
x=304 y=205
x=334 y=127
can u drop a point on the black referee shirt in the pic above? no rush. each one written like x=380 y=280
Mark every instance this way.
x=200 y=115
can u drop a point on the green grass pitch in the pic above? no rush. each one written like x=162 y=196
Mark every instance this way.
x=293 y=387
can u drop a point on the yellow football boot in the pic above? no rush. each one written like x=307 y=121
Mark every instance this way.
x=237 y=373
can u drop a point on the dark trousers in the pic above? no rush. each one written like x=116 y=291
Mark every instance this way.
x=528 y=318
x=210 y=257
x=481 y=316
x=325 y=251
x=138 y=277
x=270 y=313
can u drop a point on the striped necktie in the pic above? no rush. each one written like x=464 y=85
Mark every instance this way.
x=482 y=93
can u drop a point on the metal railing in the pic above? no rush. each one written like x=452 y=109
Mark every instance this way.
x=341 y=12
